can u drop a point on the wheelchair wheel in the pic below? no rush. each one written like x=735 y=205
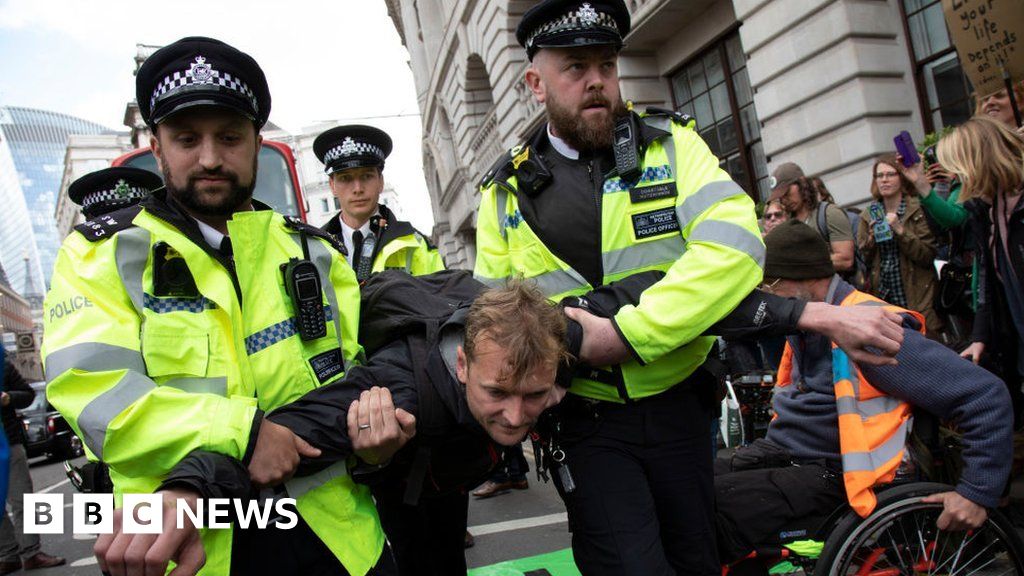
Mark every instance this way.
x=900 y=539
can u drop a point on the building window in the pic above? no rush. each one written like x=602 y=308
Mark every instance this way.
x=943 y=89
x=337 y=205
x=714 y=88
x=324 y=205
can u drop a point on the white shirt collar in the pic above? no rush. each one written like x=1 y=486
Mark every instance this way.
x=346 y=231
x=212 y=236
x=561 y=146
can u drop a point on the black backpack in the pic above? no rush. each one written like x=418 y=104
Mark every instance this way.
x=395 y=304
x=858 y=276
x=443 y=457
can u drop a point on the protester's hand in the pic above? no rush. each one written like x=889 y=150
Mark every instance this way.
x=958 y=513
x=120 y=554
x=855 y=329
x=601 y=343
x=376 y=428
x=894 y=222
x=974 y=352
x=936 y=173
x=5 y=398
x=277 y=454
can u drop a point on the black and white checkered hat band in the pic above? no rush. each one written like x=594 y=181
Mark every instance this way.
x=352 y=149
x=112 y=195
x=175 y=82
x=575 y=21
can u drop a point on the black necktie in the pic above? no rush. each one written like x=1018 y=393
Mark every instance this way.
x=357 y=249
x=225 y=247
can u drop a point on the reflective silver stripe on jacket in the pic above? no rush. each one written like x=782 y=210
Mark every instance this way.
x=130 y=255
x=501 y=207
x=218 y=386
x=95 y=418
x=873 y=460
x=300 y=486
x=643 y=255
x=93 y=357
x=867 y=408
x=709 y=194
x=558 y=281
x=731 y=235
x=323 y=258
x=491 y=282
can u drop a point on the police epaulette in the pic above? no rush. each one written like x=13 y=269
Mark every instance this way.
x=679 y=117
x=502 y=166
x=106 y=225
x=297 y=224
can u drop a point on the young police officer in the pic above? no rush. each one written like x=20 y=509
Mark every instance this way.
x=353 y=157
x=596 y=193
x=195 y=312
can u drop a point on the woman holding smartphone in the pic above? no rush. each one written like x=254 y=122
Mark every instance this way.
x=898 y=245
x=988 y=157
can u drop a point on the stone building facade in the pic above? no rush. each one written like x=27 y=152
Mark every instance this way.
x=824 y=83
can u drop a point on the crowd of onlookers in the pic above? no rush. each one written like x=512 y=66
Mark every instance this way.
x=943 y=236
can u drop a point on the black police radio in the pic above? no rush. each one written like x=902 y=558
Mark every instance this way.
x=302 y=282
x=625 y=148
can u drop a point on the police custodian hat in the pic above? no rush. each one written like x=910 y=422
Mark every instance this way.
x=198 y=71
x=352 y=146
x=571 y=23
x=112 y=188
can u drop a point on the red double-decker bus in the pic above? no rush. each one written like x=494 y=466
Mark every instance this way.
x=277 y=182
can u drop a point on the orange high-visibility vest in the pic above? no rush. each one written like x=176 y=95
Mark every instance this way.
x=873 y=426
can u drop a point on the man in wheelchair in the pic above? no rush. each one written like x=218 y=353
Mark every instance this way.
x=840 y=428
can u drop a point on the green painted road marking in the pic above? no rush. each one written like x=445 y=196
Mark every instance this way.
x=558 y=563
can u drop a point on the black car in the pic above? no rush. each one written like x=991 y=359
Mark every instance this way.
x=46 y=431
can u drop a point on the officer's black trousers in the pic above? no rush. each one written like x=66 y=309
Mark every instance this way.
x=428 y=539
x=644 y=498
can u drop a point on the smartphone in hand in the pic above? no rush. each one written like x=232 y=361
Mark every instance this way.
x=905 y=148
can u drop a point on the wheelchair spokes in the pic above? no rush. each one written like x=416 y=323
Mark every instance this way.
x=908 y=543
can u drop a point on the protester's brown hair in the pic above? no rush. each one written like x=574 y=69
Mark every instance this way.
x=823 y=194
x=906 y=188
x=987 y=155
x=520 y=320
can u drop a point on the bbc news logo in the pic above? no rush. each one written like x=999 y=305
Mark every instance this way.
x=94 y=513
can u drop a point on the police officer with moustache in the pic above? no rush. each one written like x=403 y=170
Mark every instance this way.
x=206 y=309
x=353 y=157
x=596 y=193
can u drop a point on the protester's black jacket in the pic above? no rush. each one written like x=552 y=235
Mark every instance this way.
x=21 y=396
x=320 y=417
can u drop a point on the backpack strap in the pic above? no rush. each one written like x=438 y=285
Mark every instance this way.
x=300 y=226
x=823 y=224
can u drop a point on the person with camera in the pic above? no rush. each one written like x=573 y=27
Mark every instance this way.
x=898 y=244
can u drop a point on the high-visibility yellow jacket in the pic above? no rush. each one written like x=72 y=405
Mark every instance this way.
x=684 y=216
x=399 y=245
x=154 y=348
x=873 y=426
